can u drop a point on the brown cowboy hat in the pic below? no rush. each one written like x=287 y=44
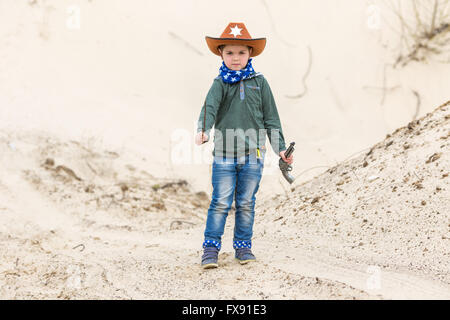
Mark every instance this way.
x=236 y=33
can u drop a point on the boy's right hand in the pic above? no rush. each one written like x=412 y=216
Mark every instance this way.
x=201 y=138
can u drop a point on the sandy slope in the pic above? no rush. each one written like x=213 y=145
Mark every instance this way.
x=80 y=222
x=92 y=205
x=137 y=73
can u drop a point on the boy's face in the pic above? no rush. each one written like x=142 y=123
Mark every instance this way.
x=235 y=56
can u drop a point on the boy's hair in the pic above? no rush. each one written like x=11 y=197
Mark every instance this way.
x=223 y=46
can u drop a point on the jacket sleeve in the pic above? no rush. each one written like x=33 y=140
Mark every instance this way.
x=272 y=122
x=212 y=104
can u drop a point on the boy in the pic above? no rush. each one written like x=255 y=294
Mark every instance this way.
x=241 y=106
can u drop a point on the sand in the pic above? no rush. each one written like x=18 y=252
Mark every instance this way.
x=78 y=223
x=103 y=194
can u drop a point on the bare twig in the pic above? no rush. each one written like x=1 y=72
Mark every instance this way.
x=383 y=97
x=274 y=27
x=417 y=105
x=90 y=166
x=335 y=95
x=81 y=246
x=187 y=44
x=381 y=88
x=419 y=25
x=285 y=191
x=304 y=78
x=304 y=171
x=422 y=36
x=433 y=17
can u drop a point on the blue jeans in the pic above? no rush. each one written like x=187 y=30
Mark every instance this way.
x=236 y=178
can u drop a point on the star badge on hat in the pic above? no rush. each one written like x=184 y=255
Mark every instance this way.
x=236 y=33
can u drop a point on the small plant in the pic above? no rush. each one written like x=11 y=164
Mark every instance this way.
x=424 y=29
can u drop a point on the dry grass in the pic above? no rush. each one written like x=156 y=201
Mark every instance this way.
x=424 y=30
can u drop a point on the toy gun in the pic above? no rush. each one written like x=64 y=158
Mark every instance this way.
x=284 y=166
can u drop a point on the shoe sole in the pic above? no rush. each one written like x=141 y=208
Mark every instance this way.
x=245 y=261
x=210 y=266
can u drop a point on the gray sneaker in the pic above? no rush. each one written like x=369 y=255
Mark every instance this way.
x=244 y=255
x=210 y=257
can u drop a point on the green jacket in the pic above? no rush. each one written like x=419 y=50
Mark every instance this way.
x=243 y=113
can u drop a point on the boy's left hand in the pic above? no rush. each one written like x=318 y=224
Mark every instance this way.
x=289 y=160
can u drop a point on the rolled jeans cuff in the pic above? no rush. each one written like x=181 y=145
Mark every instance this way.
x=212 y=243
x=242 y=244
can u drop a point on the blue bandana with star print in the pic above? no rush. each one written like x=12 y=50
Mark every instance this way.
x=234 y=76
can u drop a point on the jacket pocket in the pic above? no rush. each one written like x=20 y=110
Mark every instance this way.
x=253 y=96
x=255 y=110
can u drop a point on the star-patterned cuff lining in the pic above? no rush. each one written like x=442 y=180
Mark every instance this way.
x=212 y=243
x=242 y=244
